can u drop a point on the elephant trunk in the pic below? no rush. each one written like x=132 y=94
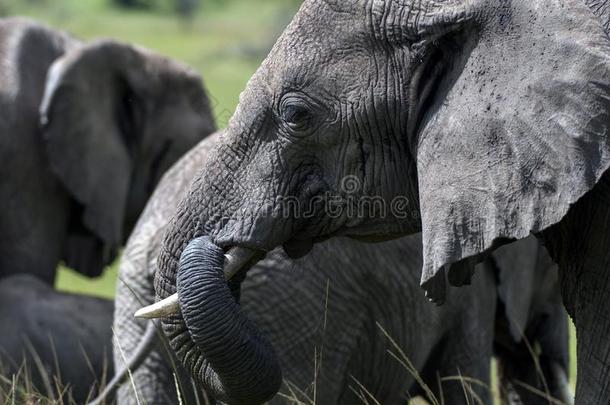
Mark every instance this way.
x=224 y=351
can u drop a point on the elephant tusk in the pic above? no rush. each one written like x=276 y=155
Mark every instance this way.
x=235 y=259
x=161 y=309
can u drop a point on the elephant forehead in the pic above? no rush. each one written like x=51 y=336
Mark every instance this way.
x=323 y=50
x=320 y=32
x=338 y=6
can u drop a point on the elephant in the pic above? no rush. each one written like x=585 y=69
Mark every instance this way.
x=531 y=335
x=60 y=343
x=474 y=122
x=86 y=131
x=330 y=316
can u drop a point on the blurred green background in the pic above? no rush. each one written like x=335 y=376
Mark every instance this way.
x=225 y=40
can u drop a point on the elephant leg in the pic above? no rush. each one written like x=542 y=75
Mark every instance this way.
x=535 y=370
x=458 y=369
x=461 y=374
x=459 y=383
x=580 y=244
x=527 y=378
x=517 y=373
x=554 y=340
x=590 y=308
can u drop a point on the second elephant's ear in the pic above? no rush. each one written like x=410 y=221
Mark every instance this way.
x=91 y=116
x=519 y=129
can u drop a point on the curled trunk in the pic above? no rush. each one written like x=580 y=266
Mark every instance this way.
x=215 y=341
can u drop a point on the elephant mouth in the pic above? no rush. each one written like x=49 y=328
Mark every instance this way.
x=215 y=341
x=297 y=248
x=236 y=259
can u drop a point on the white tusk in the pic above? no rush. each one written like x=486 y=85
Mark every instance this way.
x=161 y=309
x=235 y=259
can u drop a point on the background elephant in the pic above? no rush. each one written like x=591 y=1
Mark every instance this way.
x=321 y=313
x=531 y=334
x=488 y=120
x=60 y=343
x=114 y=118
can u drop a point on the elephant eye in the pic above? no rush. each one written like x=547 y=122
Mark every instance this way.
x=296 y=114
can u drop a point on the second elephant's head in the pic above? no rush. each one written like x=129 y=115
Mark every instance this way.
x=115 y=117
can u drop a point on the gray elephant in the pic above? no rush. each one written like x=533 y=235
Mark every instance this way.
x=487 y=120
x=531 y=338
x=59 y=343
x=114 y=118
x=328 y=314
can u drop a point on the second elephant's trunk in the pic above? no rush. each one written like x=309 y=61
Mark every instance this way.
x=222 y=349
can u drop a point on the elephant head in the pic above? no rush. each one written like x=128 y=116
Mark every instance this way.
x=115 y=117
x=488 y=117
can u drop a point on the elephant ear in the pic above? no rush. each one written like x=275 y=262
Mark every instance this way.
x=91 y=114
x=517 y=131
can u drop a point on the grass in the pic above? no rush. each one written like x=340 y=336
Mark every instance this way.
x=19 y=388
x=36 y=383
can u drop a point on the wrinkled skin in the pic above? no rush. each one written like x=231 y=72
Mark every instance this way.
x=489 y=117
x=321 y=313
x=114 y=118
x=57 y=337
x=137 y=268
x=287 y=300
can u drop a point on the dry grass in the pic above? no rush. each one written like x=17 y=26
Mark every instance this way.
x=19 y=389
